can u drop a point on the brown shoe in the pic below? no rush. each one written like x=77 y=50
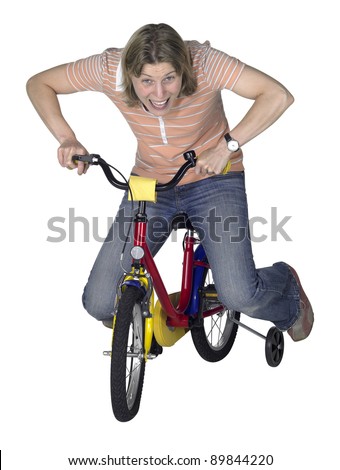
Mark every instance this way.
x=304 y=324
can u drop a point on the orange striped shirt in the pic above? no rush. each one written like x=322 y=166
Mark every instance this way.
x=195 y=122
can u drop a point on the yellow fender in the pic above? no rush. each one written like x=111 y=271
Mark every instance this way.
x=148 y=333
x=113 y=325
x=148 y=329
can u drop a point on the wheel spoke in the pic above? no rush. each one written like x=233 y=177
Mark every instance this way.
x=132 y=364
x=215 y=338
x=218 y=330
x=132 y=369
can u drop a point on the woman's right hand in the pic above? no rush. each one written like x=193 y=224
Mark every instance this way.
x=65 y=153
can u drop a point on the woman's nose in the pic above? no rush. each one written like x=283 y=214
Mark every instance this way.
x=159 y=91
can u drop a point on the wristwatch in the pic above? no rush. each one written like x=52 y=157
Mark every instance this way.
x=232 y=144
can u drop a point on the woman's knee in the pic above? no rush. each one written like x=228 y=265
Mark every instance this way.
x=238 y=298
x=98 y=306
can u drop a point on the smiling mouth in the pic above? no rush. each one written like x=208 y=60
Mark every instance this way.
x=159 y=104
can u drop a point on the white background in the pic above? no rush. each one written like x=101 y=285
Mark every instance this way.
x=55 y=400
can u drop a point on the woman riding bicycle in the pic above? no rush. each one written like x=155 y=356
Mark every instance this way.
x=169 y=91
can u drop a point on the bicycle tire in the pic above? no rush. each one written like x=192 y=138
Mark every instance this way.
x=204 y=337
x=127 y=373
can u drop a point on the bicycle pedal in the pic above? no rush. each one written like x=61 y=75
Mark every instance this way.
x=107 y=353
x=156 y=348
x=209 y=292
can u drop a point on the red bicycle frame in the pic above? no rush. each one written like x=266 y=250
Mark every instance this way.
x=176 y=314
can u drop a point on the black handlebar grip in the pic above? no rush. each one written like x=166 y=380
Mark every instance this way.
x=190 y=156
x=92 y=159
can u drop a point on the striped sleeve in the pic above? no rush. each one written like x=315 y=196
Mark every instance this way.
x=220 y=69
x=95 y=73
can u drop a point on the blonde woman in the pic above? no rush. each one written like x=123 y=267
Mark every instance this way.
x=170 y=93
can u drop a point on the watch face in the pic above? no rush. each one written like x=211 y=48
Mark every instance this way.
x=233 y=145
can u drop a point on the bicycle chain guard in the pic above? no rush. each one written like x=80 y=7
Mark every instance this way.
x=166 y=336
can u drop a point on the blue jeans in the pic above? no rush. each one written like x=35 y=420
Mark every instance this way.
x=217 y=208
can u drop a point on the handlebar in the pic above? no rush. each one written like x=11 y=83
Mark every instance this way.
x=94 y=159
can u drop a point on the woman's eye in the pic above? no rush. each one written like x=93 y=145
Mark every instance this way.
x=149 y=82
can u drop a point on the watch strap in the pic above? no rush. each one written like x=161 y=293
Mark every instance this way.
x=228 y=137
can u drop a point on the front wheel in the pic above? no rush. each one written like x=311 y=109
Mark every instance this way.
x=215 y=338
x=127 y=358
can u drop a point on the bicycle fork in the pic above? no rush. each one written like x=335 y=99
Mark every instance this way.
x=142 y=280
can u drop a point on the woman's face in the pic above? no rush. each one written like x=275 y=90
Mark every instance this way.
x=158 y=87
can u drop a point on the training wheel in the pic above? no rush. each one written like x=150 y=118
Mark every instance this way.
x=274 y=346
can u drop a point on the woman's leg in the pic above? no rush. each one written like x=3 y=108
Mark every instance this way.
x=217 y=207
x=100 y=291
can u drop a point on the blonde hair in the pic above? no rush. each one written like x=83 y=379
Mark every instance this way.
x=152 y=44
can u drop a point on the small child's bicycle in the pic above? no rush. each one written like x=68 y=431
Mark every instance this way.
x=143 y=326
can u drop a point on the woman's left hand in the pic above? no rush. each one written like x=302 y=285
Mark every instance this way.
x=213 y=161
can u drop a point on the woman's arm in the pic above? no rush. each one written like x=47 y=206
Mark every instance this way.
x=42 y=90
x=271 y=99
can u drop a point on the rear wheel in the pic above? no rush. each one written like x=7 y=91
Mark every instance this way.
x=215 y=338
x=127 y=358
